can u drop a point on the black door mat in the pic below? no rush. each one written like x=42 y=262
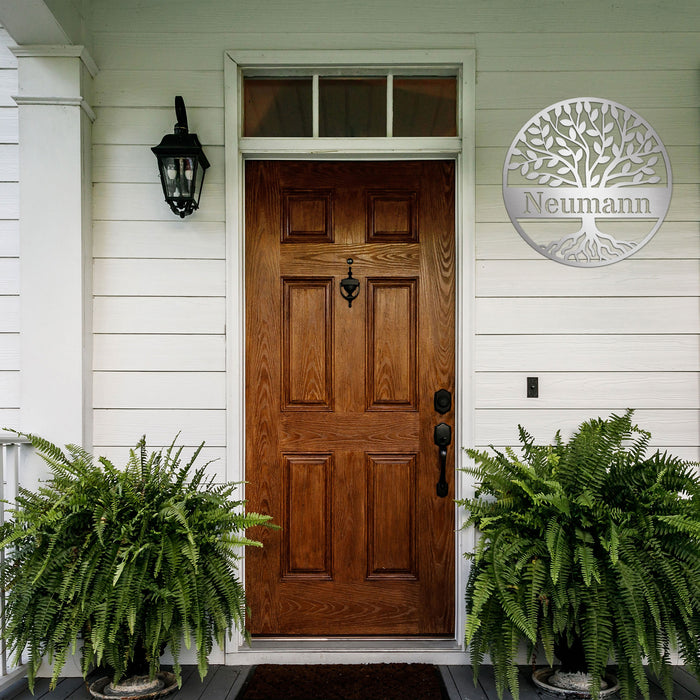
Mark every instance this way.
x=344 y=682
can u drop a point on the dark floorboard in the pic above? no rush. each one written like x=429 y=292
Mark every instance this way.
x=225 y=683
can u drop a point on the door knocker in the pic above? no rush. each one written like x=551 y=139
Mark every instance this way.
x=349 y=287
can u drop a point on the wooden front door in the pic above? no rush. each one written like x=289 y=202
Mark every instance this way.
x=340 y=411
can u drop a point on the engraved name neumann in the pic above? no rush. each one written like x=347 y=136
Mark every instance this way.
x=564 y=202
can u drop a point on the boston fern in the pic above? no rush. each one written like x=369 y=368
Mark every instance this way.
x=587 y=540
x=128 y=560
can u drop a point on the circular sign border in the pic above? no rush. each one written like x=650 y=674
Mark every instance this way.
x=519 y=136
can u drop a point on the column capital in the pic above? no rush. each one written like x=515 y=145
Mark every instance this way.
x=55 y=75
x=57 y=51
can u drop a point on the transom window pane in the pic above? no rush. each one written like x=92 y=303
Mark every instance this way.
x=352 y=106
x=425 y=107
x=347 y=107
x=277 y=107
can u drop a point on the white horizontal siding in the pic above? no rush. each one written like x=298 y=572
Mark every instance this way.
x=659 y=88
x=159 y=281
x=158 y=390
x=131 y=277
x=9 y=418
x=149 y=88
x=674 y=239
x=9 y=238
x=9 y=125
x=119 y=163
x=159 y=315
x=123 y=427
x=570 y=390
x=159 y=239
x=599 y=339
x=144 y=201
x=584 y=51
x=146 y=127
x=586 y=352
x=671 y=427
x=395 y=16
x=543 y=278
x=9 y=313
x=159 y=353
x=598 y=315
x=9 y=351
x=9 y=276
x=498 y=51
x=498 y=127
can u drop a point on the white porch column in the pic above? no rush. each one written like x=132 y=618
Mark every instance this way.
x=55 y=242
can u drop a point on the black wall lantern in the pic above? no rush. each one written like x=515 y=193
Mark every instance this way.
x=181 y=163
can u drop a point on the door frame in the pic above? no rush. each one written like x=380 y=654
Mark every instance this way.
x=461 y=149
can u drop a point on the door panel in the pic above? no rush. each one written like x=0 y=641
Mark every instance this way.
x=339 y=399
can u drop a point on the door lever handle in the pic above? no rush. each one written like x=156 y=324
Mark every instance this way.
x=442 y=436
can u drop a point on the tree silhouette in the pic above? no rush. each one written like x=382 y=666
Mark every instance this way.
x=587 y=144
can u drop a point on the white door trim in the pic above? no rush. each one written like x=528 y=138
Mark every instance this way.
x=461 y=149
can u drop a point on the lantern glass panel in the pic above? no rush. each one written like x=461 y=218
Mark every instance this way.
x=180 y=176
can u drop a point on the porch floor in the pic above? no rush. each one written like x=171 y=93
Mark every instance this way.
x=226 y=682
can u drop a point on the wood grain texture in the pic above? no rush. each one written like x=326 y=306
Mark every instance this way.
x=307 y=531
x=391 y=511
x=388 y=536
x=392 y=352
x=307 y=340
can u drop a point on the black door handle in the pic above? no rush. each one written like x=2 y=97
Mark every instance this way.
x=442 y=437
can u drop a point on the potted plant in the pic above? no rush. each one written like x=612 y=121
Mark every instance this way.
x=129 y=560
x=588 y=546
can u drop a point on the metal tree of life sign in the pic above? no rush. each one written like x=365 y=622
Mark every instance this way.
x=587 y=182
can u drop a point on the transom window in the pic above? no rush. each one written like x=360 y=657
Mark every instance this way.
x=339 y=106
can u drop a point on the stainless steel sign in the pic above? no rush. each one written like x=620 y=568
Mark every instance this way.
x=587 y=182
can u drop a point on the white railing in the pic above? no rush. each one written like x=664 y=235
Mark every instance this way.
x=12 y=452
